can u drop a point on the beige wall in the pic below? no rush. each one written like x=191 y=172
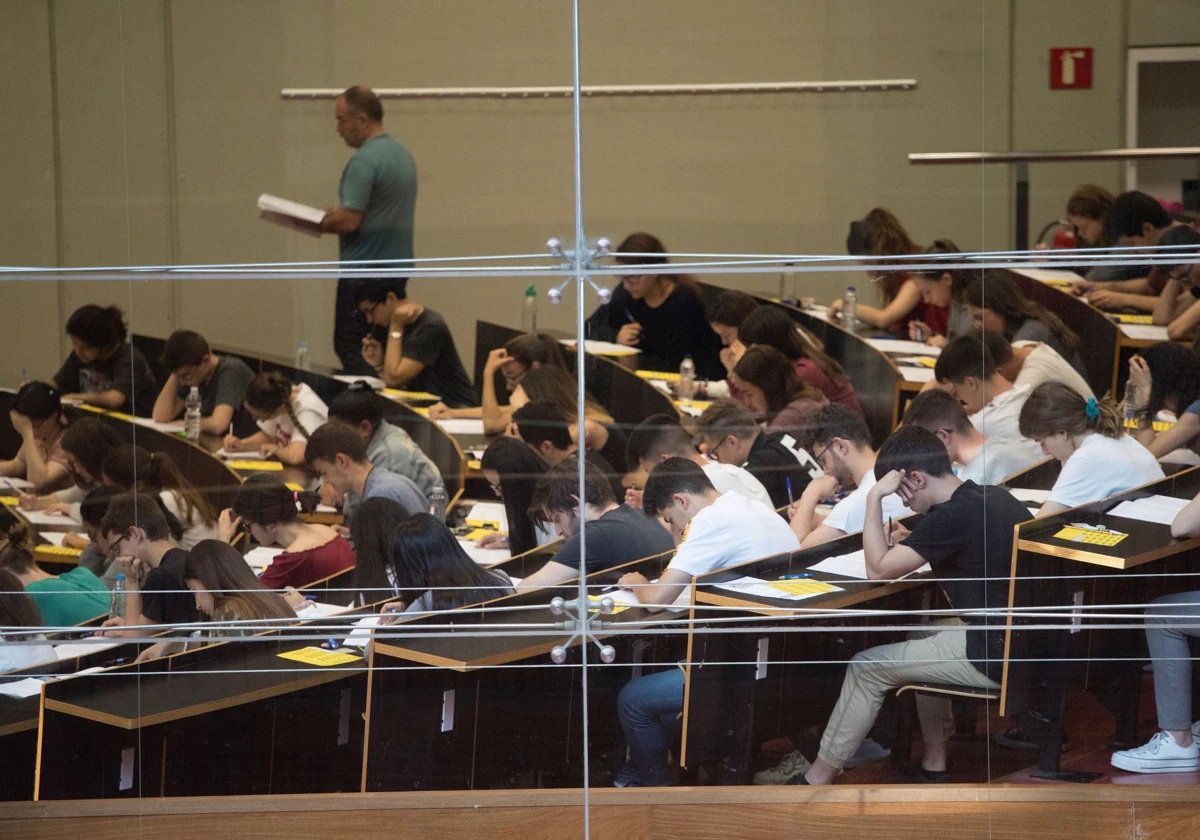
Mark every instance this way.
x=166 y=124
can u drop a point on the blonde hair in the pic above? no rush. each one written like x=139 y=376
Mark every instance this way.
x=1054 y=407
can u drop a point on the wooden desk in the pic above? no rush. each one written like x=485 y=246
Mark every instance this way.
x=1058 y=580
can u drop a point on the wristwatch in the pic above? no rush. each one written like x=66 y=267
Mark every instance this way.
x=396 y=334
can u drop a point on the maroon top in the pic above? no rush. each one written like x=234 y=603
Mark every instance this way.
x=301 y=568
x=810 y=372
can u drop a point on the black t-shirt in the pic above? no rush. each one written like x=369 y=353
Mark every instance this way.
x=966 y=539
x=774 y=464
x=676 y=328
x=165 y=597
x=427 y=340
x=126 y=371
x=619 y=536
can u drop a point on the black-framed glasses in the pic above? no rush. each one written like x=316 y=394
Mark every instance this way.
x=114 y=548
x=818 y=455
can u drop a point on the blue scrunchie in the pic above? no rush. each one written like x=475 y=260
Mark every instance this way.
x=1092 y=410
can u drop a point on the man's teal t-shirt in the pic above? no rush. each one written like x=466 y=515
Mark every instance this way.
x=71 y=598
x=379 y=181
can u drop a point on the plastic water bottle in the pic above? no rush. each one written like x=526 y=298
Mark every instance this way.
x=302 y=356
x=437 y=505
x=850 y=309
x=191 y=415
x=116 y=607
x=529 y=310
x=687 y=378
x=1133 y=402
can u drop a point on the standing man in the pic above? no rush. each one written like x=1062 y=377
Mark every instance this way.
x=378 y=197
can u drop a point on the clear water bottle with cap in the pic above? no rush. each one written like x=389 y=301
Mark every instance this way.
x=850 y=309
x=116 y=608
x=437 y=505
x=529 y=310
x=302 y=356
x=687 y=378
x=191 y=414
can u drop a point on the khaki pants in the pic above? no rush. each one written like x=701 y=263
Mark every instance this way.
x=936 y=655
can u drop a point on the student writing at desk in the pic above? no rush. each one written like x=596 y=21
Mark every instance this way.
x=840 y=443
x=512 y=471
x=1088 y=437
x=765 y=382
x=661 y=436
x=726 y=314
x=85 y=445
x=41 y=421
x=337 y=454
x=388 y=447
x=997 y=303
x=419 y=352
x=544 y=427
x=220 y=380
x=518 y=356
x=983 y=460
x=1135 y=220
x=553 y=384
x=135 y=470
x=286 y=414
x=136 y=531
x=226 y=590
x=1030 y=363
x=719 y=530
x=1179 y=304
x=966 y=370
x=616 y=533
x=730 y=436
x=1170 y=622
x=103 y=368
x=371 y=535
x=1166 y=378
x=973 y=573
x=946 y=288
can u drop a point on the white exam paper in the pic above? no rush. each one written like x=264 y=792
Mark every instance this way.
x=1158 y=509
x=896 y=345
x=462 y=425
x=1145 y=332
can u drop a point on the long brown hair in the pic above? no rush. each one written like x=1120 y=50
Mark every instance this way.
x=137 y=470
x=960 y=278
x=17 y=609
x=529 y=349
x=771 y=326
x=16 y=552
x=221 y=570
x=1054 y=407
x=647 y=243
x=880 y=234
x=997 y=291
x=269 y=392
x=553 y=384
x=766 y=368
x=1092 y=202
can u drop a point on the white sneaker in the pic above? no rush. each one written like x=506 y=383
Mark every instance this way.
x=1160 y=755
x=793 y=765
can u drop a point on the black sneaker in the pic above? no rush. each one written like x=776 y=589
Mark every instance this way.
x=932 y=777
x=1015 y=738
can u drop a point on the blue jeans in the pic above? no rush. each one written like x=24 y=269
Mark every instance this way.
x=649 y=709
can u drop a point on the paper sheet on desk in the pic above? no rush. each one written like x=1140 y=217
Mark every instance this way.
x=602 y=348
x=375 y=382
x=40 y=517
x=916 y=374
x=485 y=556
x=53 y=537
x=1052 y=276
x=15 y=483
x=787 y=590
x=1144 y=332
x=896 y=345
x=624 y=598
x=1029 y=495
x=488 y=513
x=462 y=425
x=316 y=609
x=165 y=428
x=81 y=647
x=853 y=565
x=361 y=634
x=1159 y=509
x=249 y=454
x=28 y=687
x=259 y=558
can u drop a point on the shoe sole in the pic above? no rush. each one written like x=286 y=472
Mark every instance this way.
x=1171 y=766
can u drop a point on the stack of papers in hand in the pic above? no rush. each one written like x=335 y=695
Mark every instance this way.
x=290 y=214
x=1159 y=509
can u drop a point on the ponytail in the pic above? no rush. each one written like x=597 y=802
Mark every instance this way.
x=138 y=470
x=16 y=552
x=270 y=392
x=1054 y=407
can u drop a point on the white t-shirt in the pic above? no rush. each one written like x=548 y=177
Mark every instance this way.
x=194 y=529
x=310 y=411
x=732 y=530
x=849 y=514
x=1101 y=467
x=996 y=460
x=1044 y=364
x=1001 y=419
x=730 y=479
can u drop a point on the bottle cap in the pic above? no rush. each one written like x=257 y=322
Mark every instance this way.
x=531 y=291
x=120 y=577
x=849 y=288
x=304 y=342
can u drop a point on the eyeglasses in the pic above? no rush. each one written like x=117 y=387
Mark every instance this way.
x=114 y=548
x=712 y=450
x=818 y=455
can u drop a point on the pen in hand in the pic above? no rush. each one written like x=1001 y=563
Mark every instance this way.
x=890 y=543
x=791 y=501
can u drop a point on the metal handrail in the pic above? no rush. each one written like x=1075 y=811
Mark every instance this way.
x=1053 y=157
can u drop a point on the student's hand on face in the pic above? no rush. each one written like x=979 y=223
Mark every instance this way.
x=629 y=580
x=329 y=495
x=1140 y=376
x=76 y=541
x=227 y=525
x=821 y=487
x=633 y=498
x=135 y=570
x=629 y=334
x=494 y=540
x=268 y=450
x=372 y=351
x=439 y=411
x=888 y=485
x=728 y=359
x=511 y=431
x=495 y=359
x=835 y=307
x=405 y=313
x=21 y=424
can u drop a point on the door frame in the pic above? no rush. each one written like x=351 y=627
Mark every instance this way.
x=1135 y=58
